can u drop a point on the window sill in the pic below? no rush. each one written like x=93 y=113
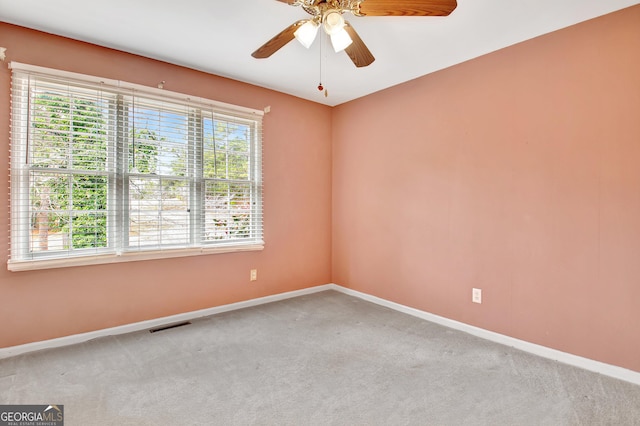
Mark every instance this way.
x=32 y=265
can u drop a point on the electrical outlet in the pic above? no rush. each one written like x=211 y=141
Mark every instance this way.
x=476 y=295
x=253 y=275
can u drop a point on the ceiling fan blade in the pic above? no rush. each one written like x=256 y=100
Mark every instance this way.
x=277 y=42
x=357 y=51
x=407 y=7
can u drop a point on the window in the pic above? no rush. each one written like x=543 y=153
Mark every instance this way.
x=106 y=171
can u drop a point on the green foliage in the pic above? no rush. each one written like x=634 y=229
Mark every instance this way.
x=226 y=151
x=70 y=134
x=143 y=151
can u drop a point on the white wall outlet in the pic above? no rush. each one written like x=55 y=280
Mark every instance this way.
x=253 y=275
x=476 y=295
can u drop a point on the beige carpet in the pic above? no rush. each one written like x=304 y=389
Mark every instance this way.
x=322 y=359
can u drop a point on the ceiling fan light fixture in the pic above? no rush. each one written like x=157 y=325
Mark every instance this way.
x=306 y=33
x=340 y=40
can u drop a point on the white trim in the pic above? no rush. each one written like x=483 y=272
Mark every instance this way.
x=131 y=86
x=154 y=323
x=64 y=262
x=532 y=348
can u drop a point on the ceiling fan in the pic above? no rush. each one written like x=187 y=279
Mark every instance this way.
x=328 y=15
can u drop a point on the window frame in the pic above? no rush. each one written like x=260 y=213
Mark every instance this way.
x=118 y=177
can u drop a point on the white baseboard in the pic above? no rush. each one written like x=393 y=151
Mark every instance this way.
x=542 y=351
x=154 y=323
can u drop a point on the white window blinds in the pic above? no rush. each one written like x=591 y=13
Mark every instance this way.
x=100 y=169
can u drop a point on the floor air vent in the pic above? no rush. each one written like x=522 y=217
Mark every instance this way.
x=168 y=327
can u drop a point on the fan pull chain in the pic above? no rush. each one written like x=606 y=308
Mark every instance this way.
x=320 y=86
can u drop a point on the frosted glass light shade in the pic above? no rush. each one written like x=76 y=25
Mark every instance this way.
x=340 y=40
x=306 y=34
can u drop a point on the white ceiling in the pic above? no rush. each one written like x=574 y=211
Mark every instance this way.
x=218 y=36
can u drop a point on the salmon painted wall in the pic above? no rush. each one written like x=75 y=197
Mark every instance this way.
x=46 y=304
x=517 y=173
